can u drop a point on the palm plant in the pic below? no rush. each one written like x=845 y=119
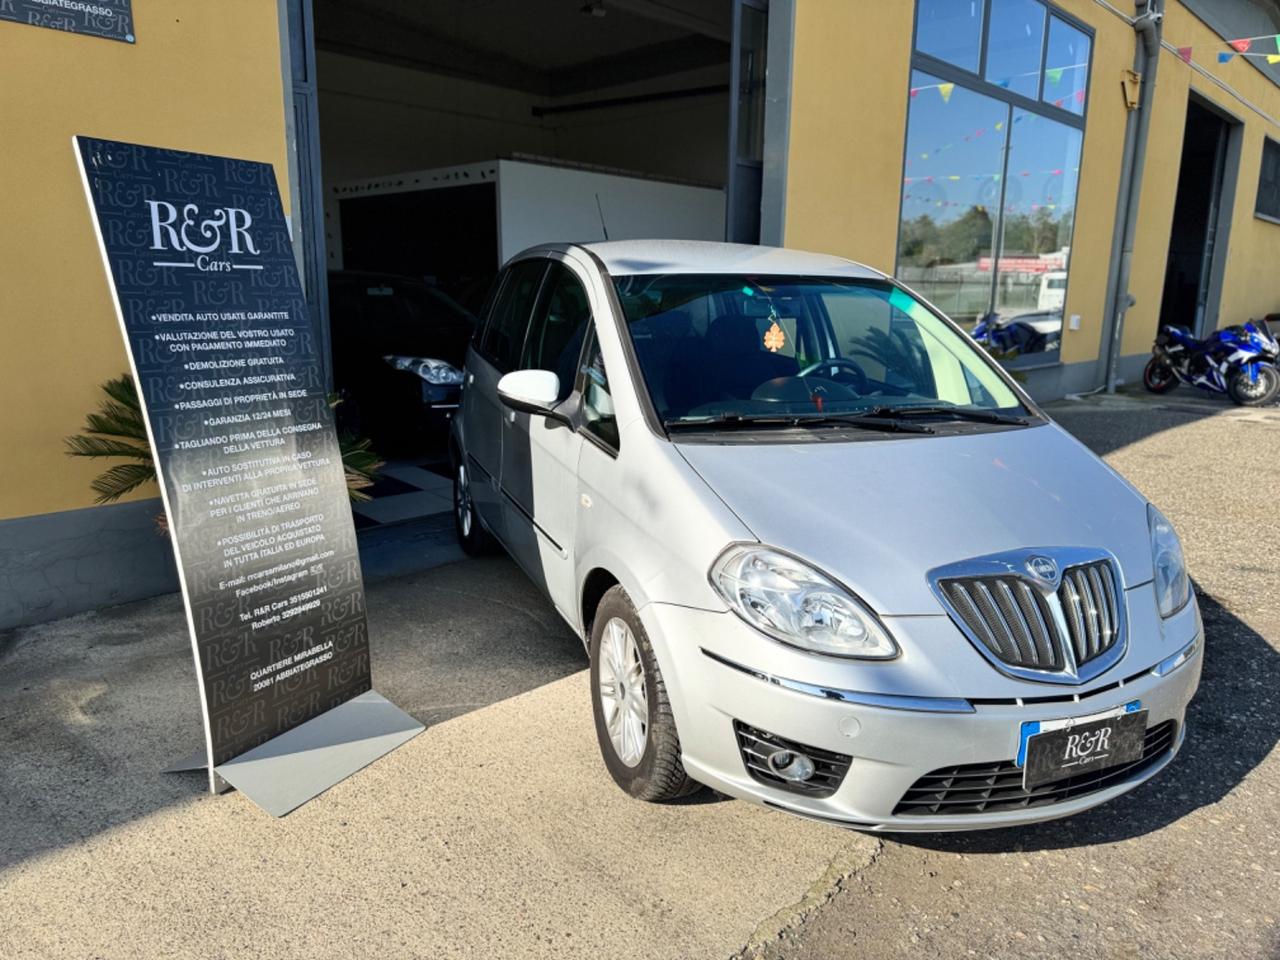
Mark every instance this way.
x=118 y=430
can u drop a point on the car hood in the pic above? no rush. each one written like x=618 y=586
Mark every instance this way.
x=879 y=514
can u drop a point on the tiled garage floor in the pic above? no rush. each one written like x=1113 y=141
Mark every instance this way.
x=406 y=490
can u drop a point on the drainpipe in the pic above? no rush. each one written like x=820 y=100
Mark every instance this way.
x=1146 y=59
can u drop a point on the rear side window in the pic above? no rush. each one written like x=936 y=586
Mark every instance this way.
x=503 y=335
x=559 y=326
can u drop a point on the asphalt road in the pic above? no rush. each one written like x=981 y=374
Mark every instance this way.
x=1187 y=866
x=497 y=832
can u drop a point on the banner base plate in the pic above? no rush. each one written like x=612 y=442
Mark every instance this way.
x=287 y=771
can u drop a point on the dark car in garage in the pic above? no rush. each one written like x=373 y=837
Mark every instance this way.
x=398 y=348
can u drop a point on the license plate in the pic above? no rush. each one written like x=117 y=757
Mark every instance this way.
x=1056 y=749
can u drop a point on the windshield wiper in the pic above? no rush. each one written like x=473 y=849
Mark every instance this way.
x=959 y=413
x=738 y=421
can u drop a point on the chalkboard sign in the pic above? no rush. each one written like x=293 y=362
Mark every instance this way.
x=112 y=19
x=228 y=369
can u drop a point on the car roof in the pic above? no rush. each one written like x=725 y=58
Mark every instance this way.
x=626 y=257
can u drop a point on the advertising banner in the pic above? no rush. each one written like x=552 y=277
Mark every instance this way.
x=112 y=19
x=229 y=373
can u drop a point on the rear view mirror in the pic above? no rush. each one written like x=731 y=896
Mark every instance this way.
x=530 y=391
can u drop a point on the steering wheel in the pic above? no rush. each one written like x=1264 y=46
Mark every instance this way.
x=839 y=363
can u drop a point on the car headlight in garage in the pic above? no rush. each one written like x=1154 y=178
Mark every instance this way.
x=792 y=602
x=1173 y=587
x=433 y=371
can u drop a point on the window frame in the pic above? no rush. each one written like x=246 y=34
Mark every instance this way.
x=581 y=425
x=482 y=329
x=541 y=307
x=1274 y=144
x=975 y=82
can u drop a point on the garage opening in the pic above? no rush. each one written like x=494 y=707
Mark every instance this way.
x=452 y=134
x=1199 y=218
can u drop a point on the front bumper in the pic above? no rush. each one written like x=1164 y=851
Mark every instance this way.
x=710 y=662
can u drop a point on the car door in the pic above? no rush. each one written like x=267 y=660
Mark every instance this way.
x=495 y=352
x=540 y=453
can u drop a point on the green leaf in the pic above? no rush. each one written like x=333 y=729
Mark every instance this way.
x=121 y=479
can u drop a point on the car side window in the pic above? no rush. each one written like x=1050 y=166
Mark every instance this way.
x=560 y=323
x=503 y=336
x=599 y=418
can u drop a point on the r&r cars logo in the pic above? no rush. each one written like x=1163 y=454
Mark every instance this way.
x=185 y=231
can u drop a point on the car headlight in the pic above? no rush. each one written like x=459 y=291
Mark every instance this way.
x=1173 y=587
x=431 y=370
x=795 y=604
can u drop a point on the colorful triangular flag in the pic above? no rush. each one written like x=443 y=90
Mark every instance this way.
x=945 y=89
x=1273 y=58
x=1240 y=46
x=1225 y=57
x=1054 y=74
x=1185 y=54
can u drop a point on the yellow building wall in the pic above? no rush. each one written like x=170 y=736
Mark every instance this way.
x=848 y=126
x=851 y=69
x=203 y=76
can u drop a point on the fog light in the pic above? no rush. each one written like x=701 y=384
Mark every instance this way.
x=789 y=765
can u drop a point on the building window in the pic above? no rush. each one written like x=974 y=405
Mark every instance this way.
x=950 y=31
x=994 y=133
x=1268 y=203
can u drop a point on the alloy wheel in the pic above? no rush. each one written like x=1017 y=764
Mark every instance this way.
x=622 y=692
x=462 y=500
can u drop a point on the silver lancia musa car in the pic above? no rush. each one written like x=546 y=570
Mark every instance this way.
x=824 y=553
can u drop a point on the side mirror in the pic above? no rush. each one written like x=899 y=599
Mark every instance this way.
x=530 y=391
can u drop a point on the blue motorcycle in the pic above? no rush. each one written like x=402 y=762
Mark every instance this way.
x=1239 y=361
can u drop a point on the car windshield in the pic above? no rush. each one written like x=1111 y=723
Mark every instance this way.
x=733 y=347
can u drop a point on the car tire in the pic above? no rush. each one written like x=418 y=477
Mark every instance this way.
x=1249 y=393
x=634 y=724
x=473 y=538
x=1158 y=376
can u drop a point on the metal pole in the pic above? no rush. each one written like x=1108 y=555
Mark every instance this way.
x=1146 y=60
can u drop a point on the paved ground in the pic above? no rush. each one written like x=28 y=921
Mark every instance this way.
x=1187 y=866
x=497 y=833
x=440 y=851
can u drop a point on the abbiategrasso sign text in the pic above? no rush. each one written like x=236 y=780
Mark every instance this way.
x=229 y=373
x=112 y=19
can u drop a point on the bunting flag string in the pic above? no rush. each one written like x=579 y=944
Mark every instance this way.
x=953 y=177
x=1241 y=47
x=1243 y=44
x=980 y=207
x=1054 y=75
x=975 y=135
x=1225 y=57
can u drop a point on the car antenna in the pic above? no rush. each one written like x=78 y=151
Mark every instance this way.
x=603 y=226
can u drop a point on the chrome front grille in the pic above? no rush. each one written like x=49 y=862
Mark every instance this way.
x=1088 y=599
x=1011 y=619
x=1052 y=616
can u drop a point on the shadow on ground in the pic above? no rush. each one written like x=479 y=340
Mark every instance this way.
x=1232 y=726
x=1107 y=423
x=93 y=707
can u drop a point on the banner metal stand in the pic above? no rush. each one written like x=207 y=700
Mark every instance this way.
x=250 y=468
